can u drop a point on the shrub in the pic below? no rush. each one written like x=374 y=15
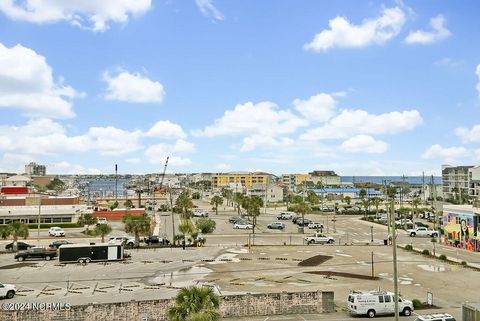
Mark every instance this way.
x=464 y=263
x=443 y=257
x=417 y=304
x=426 y=252
x=89 y=232
x=408 y=247
x=49 y=225
x=206 y=225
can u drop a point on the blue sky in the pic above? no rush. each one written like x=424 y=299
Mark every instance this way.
x=363 y=88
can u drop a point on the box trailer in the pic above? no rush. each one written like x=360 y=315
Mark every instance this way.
x=471 y=312
x=86 y=253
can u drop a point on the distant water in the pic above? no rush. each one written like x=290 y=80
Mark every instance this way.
x=104 y=187
x=389 y=179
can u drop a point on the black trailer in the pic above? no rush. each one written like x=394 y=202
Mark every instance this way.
x=86 y=253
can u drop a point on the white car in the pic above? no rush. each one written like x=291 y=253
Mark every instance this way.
x=200 y=213
x=435 y=317
x=243 y=226
x=7 y=290
x=122 y=240
x=402 y=222
x=315 y=226
x=102 y=220
x=56 y=231
x=422 y=231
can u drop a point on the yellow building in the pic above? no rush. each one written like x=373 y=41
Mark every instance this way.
x=292 y=180
x=242 y=179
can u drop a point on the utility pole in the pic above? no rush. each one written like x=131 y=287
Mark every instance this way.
x=423 y=188
x=401 y=204
x=173 y=218
x=394 y=245
x=373 y=269
x=388 y=216
x=116 y=183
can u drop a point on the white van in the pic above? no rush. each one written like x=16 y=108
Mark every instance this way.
x=371 y=303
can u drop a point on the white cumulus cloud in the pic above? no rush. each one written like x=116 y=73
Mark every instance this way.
x=353 y=122
x=343 y=34
x=166 y=129
x=448 y=154
x=157 y=153
x=438 y=32
x=364 y=144
x=318 y=108
x=88 y=14
x=264 y=118
x=250 y=143
x=208 y=9
x=114 y=141
x=133 y=87
x=27 y=84
x=469 y=135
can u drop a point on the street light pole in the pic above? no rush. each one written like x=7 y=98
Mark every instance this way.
x=38 y=223
x=395 y=272
x=371 y=234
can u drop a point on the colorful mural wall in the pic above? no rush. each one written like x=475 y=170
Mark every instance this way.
x=462 y=230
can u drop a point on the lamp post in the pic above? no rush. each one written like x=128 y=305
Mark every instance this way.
x=371 y=234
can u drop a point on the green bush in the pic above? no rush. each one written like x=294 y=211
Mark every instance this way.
x=464 y=263
x=89 y=232
x=417 y=304
x=426 y=252
x=408 y=247
x=49 y=225
x=206 y=225
x=443 y=257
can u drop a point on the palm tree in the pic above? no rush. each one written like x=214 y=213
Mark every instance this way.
x=365 y=203
x=185 y=203
x=16 y=230
x=87 y=219
x=415 y=203
x=376 y=201
x=252 y=205
x=137 y=224
x=195 y=304
x=238 y=199
x=186 y=228
x=312 y=198
x=347 y=199
x=216 y=200
x=102 y=230
x=227 y=194
x=301 y=208
x=289 y=198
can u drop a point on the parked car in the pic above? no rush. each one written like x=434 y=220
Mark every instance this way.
x=58 y=243
x=286 y=216
x=319 y=238
x=276 y=226
x=243 y=226
x=435 y=317
x=200 y=213
x=128 y=241
x=403 y=222
x=21 y=246
x=315 y=226
x=7 y=290
x=153 y=239
x=234 y=219
x=36 y=253
x=102 y=220
x=303 y=222
x=56 y=231
x=420 y=224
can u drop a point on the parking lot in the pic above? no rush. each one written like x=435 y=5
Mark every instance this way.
x=271 y=265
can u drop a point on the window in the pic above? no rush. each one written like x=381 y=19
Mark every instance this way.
x=380 y=299
x=388 y=298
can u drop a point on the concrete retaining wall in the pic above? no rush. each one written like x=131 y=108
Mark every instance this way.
x=155 y=310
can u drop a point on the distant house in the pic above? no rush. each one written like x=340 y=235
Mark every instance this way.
x=17 y=180
x=342 y=192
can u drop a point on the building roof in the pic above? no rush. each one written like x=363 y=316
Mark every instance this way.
x=18 y=178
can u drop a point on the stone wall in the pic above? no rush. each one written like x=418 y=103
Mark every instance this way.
x=155 y=310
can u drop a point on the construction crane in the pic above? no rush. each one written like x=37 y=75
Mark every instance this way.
x=163 y=174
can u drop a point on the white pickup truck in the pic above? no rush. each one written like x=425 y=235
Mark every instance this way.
x=319 y=238
x=422 y=231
